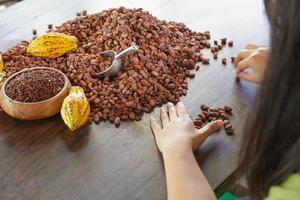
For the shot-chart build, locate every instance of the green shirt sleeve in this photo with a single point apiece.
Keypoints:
(288, 190)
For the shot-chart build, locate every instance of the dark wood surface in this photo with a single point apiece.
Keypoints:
(43, 160)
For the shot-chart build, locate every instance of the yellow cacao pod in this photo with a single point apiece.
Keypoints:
(75, 110)
(2, 77)
(1, 64)
(52, 45)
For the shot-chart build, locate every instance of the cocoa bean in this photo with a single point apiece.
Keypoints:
(205, 61)
(228, 126)
(204, 107)
(215, 56)
(223, 41)
(213, 114)
(227, 109)
(226, 122)
(117, 121)
(229, 131)
(232, 59)
(224, 116)
(198, 123)
(224, 61)
(155, 74)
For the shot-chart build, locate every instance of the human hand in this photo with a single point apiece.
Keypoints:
(254, 57)
(178, 132)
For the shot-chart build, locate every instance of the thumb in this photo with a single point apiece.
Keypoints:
(203, 133)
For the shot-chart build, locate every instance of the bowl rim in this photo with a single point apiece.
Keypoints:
(66, 84)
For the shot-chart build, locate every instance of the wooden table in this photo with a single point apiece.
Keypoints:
(42, 160)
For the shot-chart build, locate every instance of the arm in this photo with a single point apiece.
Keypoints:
(176, 140)
(185, 179)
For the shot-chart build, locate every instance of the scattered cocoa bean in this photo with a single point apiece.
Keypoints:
(117, 121)
(213, 110)
(205, 113)
(226, 121)
(96, 118)
(84, 13)
(213, 114)
(227, 109)
(224, 116)
(207, 45)
(207, 34)
(215, 56)
(198, 122)
(230, 43)
(192, 75)
(223, 41)
(203, 117)
(232, 59)
(204, 107)
(229, 131)
(224, 61)
(34, 31)
(214, 49)
(205, 61)
(228, 126)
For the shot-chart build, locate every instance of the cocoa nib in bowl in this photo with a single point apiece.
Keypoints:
(34, 93)
(35, 85)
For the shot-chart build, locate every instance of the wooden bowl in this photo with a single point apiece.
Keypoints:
(35, 110)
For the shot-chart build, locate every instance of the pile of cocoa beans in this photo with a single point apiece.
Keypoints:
(155, 74)
(210, 114)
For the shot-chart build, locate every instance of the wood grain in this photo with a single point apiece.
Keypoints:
(43, 160)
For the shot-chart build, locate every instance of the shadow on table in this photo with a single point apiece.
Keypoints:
(33, 133)
(77, 139)
(205, 153)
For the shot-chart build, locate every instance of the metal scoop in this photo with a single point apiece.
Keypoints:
(116, 65)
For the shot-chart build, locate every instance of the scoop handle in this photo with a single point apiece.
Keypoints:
(133, 48)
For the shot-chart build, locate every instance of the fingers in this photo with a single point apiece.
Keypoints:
(249, 77)
(252, 46)
(210, 128)
(154, 126)
(181, 111)
(164, 118)
(241, 56)
(205, 132)
(244, 64)
(172, 111)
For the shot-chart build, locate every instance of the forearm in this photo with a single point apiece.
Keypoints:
(185, 180)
